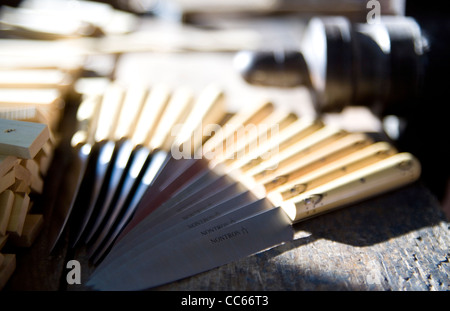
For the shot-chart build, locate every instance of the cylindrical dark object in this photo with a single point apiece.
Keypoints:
(377, 65)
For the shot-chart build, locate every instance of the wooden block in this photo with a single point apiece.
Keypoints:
(43, 161)
(7, 180)
(32, 105)
(43, 98)
(6, 203)
(25, 181)
(18, 214)
(30, 206)
(20, 186)
(47, 148)
(3, 239)
(21, 173)
(2, 258)
(32, 113)
(32, 166)
(31, 229)
(37, 184)
(34, 78)
(7, 269)
(7, 162)
(33, 54)
(22, 139)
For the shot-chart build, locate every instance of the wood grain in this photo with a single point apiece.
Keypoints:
(22, 139)
(7, 268)
(6, 203)
(7, 162)
(32, 227)
(18, 213)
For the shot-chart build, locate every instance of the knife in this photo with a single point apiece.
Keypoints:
(138, 162)
(235, 196)
(158, 193)
(209, 189)
(217, 242)
(142, 175)
(101, 171)
(154, 262)
(355, 160)
(66, 199)
(140, 129)
(119, 165)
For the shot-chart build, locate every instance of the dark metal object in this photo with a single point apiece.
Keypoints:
(120, 166)
(377, 65)
(269, 68)
(66, 199)
(126, 199)
(95, 177)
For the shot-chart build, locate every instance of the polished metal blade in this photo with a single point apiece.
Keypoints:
(102, 166)
(69, 190)
(137, 164)
(181, 222)
(174, 177)
(233, 236)
(120, 165)
(142, 174)
(206, 192)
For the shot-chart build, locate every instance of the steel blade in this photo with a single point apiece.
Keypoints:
(185, 221)
(66, 199)
(138, 163)
(246, 231)
(99, 175)
(119, 163)
(183, 172)
(191, 193)
(131, 201)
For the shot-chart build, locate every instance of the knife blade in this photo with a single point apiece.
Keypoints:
(164, 188)
(233, 198)
(209, 195)
(119, 166)
(129, 200)
(66, 199)
(217, 242)
(138, 162)
(101, 172)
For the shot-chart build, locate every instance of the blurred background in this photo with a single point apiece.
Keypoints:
(373, 66)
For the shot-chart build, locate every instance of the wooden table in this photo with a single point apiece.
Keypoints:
(398, 241)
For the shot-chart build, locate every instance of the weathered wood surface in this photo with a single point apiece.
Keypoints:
(398, 241)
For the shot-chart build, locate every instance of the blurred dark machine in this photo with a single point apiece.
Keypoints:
(397, 66)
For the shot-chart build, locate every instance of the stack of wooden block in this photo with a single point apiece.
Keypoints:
(25, 155)
(33, 92)
(37, 78)
(34, 95)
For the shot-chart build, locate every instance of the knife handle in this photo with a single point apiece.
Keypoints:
(385, 175)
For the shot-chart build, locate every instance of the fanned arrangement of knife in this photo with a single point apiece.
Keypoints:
(170, 185)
